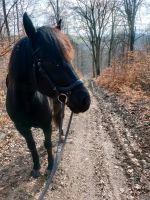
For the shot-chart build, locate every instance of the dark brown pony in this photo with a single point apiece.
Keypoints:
(41, 67)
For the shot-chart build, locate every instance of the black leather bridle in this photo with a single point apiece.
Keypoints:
(57, 89)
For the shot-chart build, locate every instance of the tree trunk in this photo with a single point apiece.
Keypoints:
(98, 58)
(132, 38)
(18, 30)
(111, 41)
(57, 14)
(97, 63)
(93, 68)
(5, 19)
(14, 25)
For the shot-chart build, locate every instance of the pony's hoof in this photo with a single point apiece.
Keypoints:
(35, 173)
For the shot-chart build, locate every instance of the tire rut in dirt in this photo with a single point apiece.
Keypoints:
(128, 152)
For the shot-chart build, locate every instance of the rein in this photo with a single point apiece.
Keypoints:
(62, 93)
(60, 146)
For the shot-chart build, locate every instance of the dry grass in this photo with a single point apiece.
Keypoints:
(129, 76)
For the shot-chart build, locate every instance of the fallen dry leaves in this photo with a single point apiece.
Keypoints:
(128, 77)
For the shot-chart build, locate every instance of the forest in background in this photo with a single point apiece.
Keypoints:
(105, 35)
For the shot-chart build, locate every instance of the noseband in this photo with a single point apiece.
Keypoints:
(58, 90)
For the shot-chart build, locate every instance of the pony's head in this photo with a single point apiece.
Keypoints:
(52, 64)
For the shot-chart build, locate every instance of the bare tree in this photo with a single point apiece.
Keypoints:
(130, 10)
(11, 12)
(112, 31)
(94, 16)
(55, 5)
(59, 10)
(5, 14)
(18, 23)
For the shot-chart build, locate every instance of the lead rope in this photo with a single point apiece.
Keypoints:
(59, 152)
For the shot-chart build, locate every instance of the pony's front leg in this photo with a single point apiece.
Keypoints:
(27, 134)
(48, 146)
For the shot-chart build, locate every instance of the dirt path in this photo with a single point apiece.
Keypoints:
(99, 160)
(90, 170)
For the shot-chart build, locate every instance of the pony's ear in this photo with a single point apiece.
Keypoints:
(59, 24)
(28, 26)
